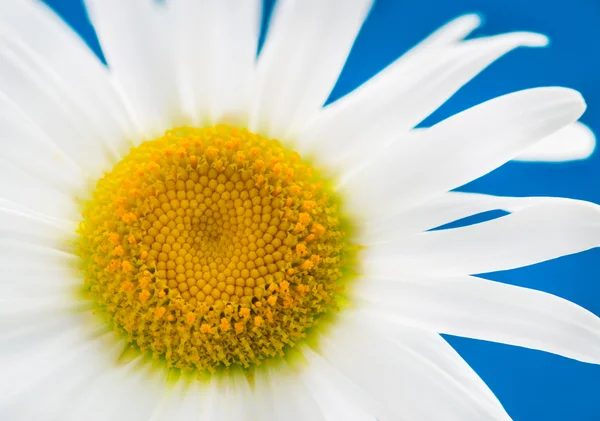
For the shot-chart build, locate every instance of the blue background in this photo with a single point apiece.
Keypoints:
(532, 385)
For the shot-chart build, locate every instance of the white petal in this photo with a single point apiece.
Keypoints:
(407, 372)
(306, 47)
(66, 59)
(353, 129)
(29, 85)
(59, 391)
(125, 391)
(574, 142)
(137, 42)
(461, 148)
(452, 32)
(228, 397)
(182, 401)
(239, 402)
(25, 145)
(482, 309)
(337, 397)
(216, 46)
(21, 311)
(434, 348)
(131, 393)
(439, 211)
(25, 365)
(39, 281)
(534, 234)
(280, 396)
(18, 336)
(19, 187)
(38, 229)
(18, 254)
(38, 285)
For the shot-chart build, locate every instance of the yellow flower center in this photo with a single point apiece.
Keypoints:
(215, 246)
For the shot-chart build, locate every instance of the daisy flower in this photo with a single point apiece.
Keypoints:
(188, 234)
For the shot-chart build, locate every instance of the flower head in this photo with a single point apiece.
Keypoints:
(187, 232)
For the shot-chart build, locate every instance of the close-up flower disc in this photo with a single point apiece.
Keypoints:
(214, 246)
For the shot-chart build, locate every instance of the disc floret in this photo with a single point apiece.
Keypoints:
(215, 246)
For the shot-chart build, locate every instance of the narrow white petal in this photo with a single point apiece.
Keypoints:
(306, 47)
(439, 211)
(37, 229)
(67, 60)
(216, 45)
(132, 392)
(434, 348)
(262, 396)
(27, 365)
(136, 39)
(26, 308)
(228, 398)
(531, 235)
(353, 129)
(403, 371)
(212, 410)
(452, 32)
(337, 396)
(461, 148)
(8, 205)
(29, 86)
(19, 254)
(39, 281)
(19, 337)
(25, 145)
(242, 406)
(169, 402)
(482, 309)
(182, 401)
(280, 396)
(37, 284)
(125, 391)
(26, 191)
(58, 392)
(572, 143)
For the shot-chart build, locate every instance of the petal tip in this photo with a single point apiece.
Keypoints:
(575, 142)
(565, 95)
(471, 20)
(533, 39)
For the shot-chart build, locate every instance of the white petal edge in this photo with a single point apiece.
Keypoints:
(338, 398)
(352, 130)
(27, 146)
(29, 85)
(137, 40)
(216, 45)
(442, 210)
(61, 380)
(405, 369)
(481, 309)
(126, 391)
(575, 142)
(280, 396)
(37, 29)
(531, 235)
(27, 192)
(460, 149)
(37, 229)
(301, 60)
(452, 32)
